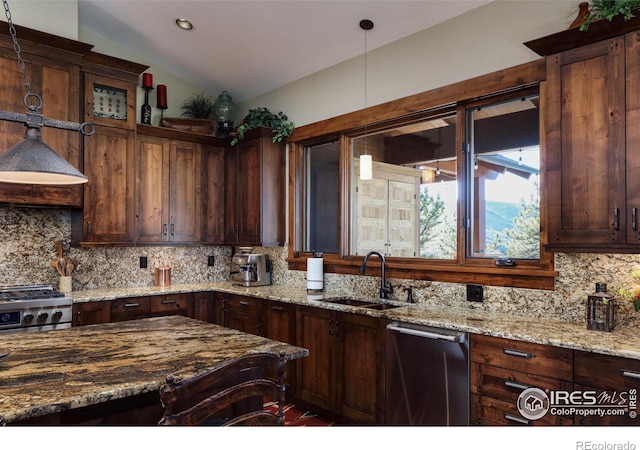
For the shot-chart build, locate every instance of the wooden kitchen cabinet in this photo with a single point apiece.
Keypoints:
(254, 180)
(344, 372)
(243, 313)
(203, 307)
(53, 66)
(592, 139)
(168, 183)
(502, 368)
(90, 313)
(613, 378)
(108, 215)
(279, 324)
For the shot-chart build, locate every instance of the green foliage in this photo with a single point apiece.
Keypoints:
(608, 9)
(431, 214)
(198, 106)
(261, 117)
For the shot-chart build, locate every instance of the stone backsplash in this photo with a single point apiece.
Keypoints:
(28, 244)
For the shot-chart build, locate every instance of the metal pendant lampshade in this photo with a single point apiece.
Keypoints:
(31, 161)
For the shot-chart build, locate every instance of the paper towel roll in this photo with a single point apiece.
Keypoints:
(315, 274)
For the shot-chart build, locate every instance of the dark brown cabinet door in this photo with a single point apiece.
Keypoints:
(361, 362)
(213, 218)
(344, 372)
(279, 324)
(108, 214)
(184, 191)
(254, 191)
(592, 162)
(168, 180)
(152, 181)
(616, 382)
(202, 307)
(90, 313)
(315, 377)
(249, 191)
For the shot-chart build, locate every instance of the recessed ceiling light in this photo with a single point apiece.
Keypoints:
(184, 23)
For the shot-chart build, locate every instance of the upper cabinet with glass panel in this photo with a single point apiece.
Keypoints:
(409, 208)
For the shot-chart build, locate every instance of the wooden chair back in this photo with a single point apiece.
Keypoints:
(228, 387)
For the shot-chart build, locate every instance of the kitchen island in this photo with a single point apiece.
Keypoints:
(91, 368)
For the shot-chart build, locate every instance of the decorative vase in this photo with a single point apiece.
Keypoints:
(225, 111)
(583, 13)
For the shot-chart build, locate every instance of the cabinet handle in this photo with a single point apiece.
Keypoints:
(516, 385)
(634, 219)
(337, 328)
(258, 329)
(245, 303)
(511, 352)
(131, 305)
(330, 327)
(630, 374)
(517, 419)
(88, 228)
(173, 229)
(616, 219)
(168, 302)
(277, 308)
(164, 229)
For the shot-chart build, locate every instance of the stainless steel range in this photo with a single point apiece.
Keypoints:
(34, 307)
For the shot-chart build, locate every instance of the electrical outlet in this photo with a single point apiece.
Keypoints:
(143, 262)
(210, 260)
(475, 293)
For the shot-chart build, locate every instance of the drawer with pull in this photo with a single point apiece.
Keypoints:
(130, 308)
(163, 305)
(606, 372)
(531, 358)
(490, 411)
(244, 305)
(507, 385)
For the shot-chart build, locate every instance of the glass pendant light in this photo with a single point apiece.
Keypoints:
(366, 161)
(31, 161)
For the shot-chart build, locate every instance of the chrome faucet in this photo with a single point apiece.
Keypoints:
(385, 286)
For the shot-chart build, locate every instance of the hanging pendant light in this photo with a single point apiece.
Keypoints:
(366, 161)
(31, 161)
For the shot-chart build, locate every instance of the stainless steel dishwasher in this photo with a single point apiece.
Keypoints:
(427, 376)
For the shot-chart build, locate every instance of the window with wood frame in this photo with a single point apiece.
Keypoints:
(455, 195)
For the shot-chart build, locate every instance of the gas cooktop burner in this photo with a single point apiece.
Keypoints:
(28, 292)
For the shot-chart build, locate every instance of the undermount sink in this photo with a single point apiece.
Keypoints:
(349, 301)
(362, 303)
(382, 306)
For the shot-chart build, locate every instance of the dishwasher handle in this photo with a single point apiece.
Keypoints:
(457, 338)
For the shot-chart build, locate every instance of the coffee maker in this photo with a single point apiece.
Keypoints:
(250, 269)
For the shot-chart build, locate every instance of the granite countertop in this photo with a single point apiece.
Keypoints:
(622, 341)
(50, 372)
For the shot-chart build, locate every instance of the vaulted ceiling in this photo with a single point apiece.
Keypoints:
(252, 47)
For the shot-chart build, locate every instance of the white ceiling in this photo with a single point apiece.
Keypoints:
(250, 47)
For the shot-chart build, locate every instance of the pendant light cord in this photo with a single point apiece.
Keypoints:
(16, 48)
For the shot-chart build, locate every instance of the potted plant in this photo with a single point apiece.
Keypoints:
(198, 106)
(261, 117)
(608, 9)
(197, 116)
